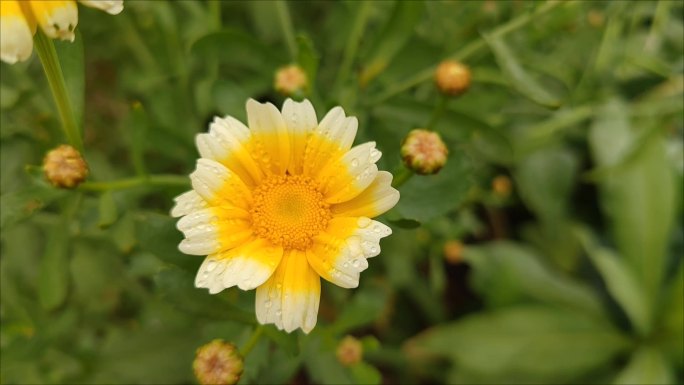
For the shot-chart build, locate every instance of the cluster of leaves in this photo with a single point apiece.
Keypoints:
(576, 276)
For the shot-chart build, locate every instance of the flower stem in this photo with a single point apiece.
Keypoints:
(286, 25)
(352, 45)
(403, 175)
(467, 51)
(53, 72)
(251, 343)
(122, 184)
(437, 112)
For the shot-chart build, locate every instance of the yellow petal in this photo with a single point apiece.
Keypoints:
(339, 253)
(229, 142)
(375, 200)
(346, 177)
(218, 185)
(331, 139)
(247, 266)
(271, 140)
(300, 119)
(112, 7)
(16, 34)
(214, 229)
(290, 298)
(57, 18)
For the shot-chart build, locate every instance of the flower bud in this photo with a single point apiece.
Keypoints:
(453, 251)
(64, 167)
(452, 78)
(424, 152)
(218, 363)
(349, 351)
(502, 186)
(291, 80)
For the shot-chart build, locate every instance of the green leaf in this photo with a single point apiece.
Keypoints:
(238, 49)
(321, 363)
(308, 58)
(138, 126)
(53, 279)
(672, 322)
(545, 180)
(647, 366)
(531, 343)
(427, 197)
(107, 209)
(620, 281)
(394, 35)
(522, 81)
(177, 286)
(18, 205)
(405, 223)
(70, 55)
(506, 273)
(364, 308)
(286, 341)
(365, 373)
(638, 197)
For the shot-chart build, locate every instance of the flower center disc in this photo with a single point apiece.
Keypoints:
(289, 211)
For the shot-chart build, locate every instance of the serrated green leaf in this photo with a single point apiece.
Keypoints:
(647, 366)
(638, 197)
(519, 78)
(507, 273)
(427, 197)
(621, 283)
(535, 343)
(365, 373)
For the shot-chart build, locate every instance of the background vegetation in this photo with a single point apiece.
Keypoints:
(573, 275)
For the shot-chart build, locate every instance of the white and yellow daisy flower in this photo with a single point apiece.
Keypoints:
(280, 204)
(57, 18)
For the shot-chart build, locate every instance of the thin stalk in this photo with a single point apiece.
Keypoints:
(53, 72)
(251, 343)
(468, 50)
(123, 184)
(288, 31)
(402, 176)
(438, 112)
(352, 44)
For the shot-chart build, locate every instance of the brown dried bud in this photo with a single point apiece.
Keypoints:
(453, 251)
(502, 186)
(291, 80)
(424, 152)
(452, 77)
(349, 351)
(64, 167)
(218, 363)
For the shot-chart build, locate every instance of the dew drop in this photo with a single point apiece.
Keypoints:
(268, 304)
(211, 265)
(278, 313)
(356, 263)
(355, 162)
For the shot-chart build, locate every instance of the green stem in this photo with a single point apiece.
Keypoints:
(122, 184)
(437, 112)
(251, 343)
(402, 176)
(468, 50)
(53, 72)
(352, 45)
(286, 24)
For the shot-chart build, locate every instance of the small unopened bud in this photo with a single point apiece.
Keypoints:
(218, 363)
(64, 167)
(502, 186)
(291, 80)
(424, 152)
(452, 77)
(453, 251)
(349, 351)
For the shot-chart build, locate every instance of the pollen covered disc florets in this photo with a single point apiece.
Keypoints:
(289, 210)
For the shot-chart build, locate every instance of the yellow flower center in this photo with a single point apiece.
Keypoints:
(289, 211)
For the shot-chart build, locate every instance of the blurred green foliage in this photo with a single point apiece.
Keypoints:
(575, 276)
